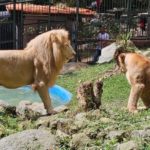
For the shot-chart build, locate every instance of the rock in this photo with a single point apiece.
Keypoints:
(6, 108)
(64, 124)
(94, 114)
(81, 120)
(146, 127)
(61, 108)
(29, 139)
(79, 141)
(61, 134)
(27, 109)
(73, 129)
(119, 135)
(141, 134)
(130, 145)
(80, 116)
(25, 124)
(2, 130)
(53, 122)
(43, 121)
(92, 134)
(107, 53)
(101, 135)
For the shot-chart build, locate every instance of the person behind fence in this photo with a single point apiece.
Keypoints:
(102, 36)
(142, 24)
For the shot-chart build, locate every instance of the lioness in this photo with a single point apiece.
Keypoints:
(137, 70)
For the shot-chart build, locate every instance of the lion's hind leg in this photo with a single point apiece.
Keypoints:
(135, 93)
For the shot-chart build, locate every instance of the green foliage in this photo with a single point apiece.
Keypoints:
(110, 144)
(124, 39)
(64, 143)
(10, 124)
(87, 31)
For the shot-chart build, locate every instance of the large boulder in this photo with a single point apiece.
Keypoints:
(107, 53)
(130, 145)
(30, 139)
(119, 135)
(27, 109)
(79, 141)
(144, 134)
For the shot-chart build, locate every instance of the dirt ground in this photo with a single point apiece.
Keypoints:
(72, 66)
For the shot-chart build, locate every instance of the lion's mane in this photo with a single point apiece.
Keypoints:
(47, 52)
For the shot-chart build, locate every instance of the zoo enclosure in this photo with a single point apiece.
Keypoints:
(22, 20)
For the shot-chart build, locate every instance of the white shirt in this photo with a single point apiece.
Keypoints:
(103, 36)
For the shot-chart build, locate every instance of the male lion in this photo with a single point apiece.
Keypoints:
(137, 70)
(38, 64)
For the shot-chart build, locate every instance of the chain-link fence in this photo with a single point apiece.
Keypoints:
(22, 20)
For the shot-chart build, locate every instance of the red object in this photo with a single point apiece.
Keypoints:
(44, 9)
(142, 24)
(98, 3)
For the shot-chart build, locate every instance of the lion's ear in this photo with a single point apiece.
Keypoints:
(121, 60)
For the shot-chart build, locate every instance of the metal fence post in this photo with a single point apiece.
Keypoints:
(148, 26)
(129, 2)
(76, 32)
(21, 28)
(14, 24)
(49, 15)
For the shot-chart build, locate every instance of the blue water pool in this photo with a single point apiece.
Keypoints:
(59, 95)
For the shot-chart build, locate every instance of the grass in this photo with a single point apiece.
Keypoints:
(114, 100)
(116, 88)
(73, 80)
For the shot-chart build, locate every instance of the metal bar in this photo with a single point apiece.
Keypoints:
(21, 27)
(76, 32)
(14, 24)
(49, 15)
(148, 20)
(4, 42)
(129, 3)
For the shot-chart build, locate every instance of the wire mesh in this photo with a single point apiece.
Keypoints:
(22, 20)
